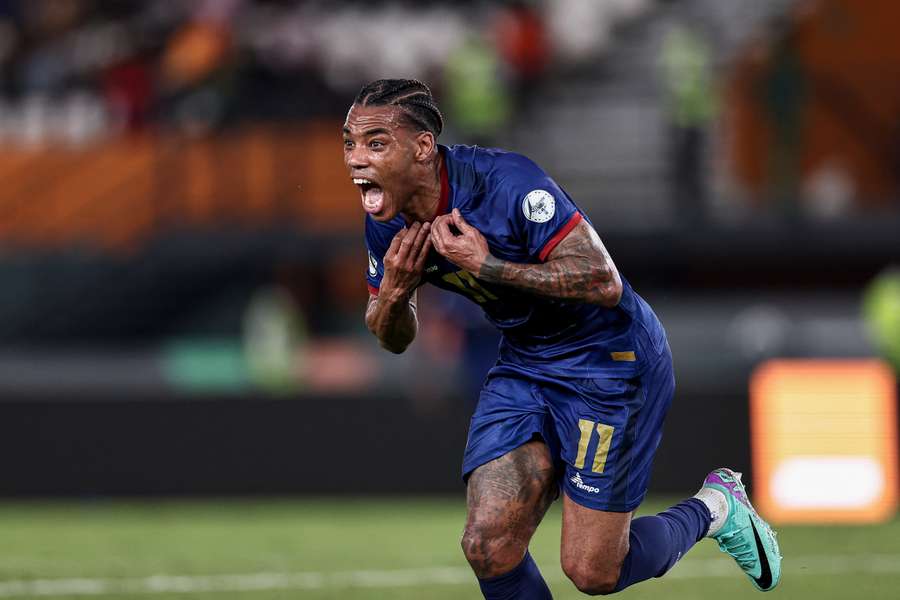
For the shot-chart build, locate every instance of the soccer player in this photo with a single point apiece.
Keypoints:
(575, 403)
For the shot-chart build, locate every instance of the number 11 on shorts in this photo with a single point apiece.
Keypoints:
(587, 429)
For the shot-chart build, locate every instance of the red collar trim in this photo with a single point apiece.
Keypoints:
(444, 202)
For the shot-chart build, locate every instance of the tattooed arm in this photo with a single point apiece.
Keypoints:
(393, 321)
(579, 268)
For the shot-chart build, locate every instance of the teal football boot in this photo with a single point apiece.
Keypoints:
(745, 536)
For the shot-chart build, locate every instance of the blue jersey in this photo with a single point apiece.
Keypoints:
(524, 214)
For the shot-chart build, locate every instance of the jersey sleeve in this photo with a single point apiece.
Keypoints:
(377, 244)
(541, 213)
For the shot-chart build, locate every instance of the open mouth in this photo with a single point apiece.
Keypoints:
(372, 195)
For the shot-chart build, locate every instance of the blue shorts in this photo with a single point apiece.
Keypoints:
(605, 431)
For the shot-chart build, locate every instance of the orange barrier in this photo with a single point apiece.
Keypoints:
(121, 192)
(824, 440)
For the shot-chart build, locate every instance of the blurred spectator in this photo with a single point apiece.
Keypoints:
(686, 64)
(783, 92)
(522, 43)
(195, 76)
(128, 89)
(193, 53)
(477, 97)
(274, 332)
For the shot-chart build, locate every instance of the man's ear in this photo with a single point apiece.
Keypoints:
(425, 145)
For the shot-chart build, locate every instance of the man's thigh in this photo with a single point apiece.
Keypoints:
(506, 500)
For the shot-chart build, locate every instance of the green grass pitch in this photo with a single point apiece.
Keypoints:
(397, 549)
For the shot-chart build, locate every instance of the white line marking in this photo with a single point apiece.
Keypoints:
(872, 564)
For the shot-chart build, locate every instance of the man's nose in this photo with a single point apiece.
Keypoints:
(357, 159)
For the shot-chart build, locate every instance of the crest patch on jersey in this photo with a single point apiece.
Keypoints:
(373, 265)
(539, 206)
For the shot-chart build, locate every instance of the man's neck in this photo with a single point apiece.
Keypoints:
(424, 203)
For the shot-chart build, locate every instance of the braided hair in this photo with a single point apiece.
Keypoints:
(412, 97)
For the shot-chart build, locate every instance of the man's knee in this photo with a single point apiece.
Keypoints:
(593, 579)
(595, 544)
(492, 549)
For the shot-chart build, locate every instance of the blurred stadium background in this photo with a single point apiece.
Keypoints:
(190, 405)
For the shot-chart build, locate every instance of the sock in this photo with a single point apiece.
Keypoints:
(717, 504)
(522, 583)
(657, 543)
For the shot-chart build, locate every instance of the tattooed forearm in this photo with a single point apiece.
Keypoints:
(569, 278)
(392, 321)
(579, 269)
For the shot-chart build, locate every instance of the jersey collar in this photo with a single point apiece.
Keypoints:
(444, 202)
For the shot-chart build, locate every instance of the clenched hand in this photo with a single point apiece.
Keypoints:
(405, 259)
(468, 250)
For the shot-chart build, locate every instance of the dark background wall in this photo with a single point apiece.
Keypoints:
(246, 445)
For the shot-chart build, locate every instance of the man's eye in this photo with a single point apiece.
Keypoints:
(376, 144)
(348, 143)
